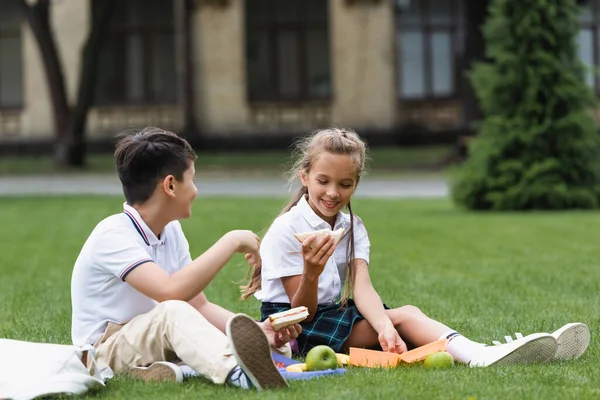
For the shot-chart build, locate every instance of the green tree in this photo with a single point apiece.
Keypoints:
(537, 145)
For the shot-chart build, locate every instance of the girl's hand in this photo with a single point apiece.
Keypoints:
(390, 340)
(316, 253)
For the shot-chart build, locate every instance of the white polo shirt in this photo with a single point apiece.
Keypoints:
(118, 244)
(281, 253)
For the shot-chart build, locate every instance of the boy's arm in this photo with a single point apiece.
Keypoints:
(215, 314)
(218, 316)
(187, 283)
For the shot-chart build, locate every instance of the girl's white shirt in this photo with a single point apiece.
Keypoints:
(281, 253)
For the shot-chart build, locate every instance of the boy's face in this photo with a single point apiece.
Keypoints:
(185, 193)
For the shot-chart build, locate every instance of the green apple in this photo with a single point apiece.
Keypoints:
(440, 359)
(320, 358)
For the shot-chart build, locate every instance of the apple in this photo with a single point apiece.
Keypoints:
(321, 358)
(440, 359)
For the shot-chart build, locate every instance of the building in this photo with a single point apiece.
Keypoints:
(259, 66)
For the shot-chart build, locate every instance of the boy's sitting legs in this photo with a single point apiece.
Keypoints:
(162, 371)
(176, 330)
(251, 349)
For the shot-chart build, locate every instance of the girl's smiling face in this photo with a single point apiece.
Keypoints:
(331, 182)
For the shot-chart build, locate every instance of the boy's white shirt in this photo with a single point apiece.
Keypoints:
(118, 244)
(281, 253)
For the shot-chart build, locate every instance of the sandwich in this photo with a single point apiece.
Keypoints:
(289, 317)
(336, 235)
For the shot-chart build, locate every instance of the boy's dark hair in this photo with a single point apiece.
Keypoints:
(147, 157)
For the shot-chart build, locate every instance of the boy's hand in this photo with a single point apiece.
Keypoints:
(316, 253)
(244, 241)
(252, 259)
(282, 336)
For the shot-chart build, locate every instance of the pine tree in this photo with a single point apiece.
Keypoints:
(537, 146)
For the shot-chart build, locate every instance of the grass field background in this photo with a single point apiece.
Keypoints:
(486, 275)
(382, 161)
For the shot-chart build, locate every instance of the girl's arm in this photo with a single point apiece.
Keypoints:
(303, 290)
(370, 306)
(367, 299)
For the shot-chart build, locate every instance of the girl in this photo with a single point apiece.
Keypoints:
(313, 273)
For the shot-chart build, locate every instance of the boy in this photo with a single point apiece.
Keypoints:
(137, 295)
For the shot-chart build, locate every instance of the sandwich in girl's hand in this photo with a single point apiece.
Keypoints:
(286, 318)
(336, 235)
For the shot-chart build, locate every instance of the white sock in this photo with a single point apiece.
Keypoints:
(461, 348)
(188, 372)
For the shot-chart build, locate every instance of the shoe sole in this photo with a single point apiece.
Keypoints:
(156, 373)
(573, 341)
(537, 350)
(253, 353)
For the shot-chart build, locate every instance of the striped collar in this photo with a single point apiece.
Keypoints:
(317, 222)
(141, 227)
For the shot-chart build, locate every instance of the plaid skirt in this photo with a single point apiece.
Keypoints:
(331, 325)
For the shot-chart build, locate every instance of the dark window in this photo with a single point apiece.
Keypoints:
(429, 36)
(287, 49)
(137, 60)
(11, 63)
(589, 41)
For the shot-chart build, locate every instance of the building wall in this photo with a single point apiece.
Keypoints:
(223, 107)
(362, 63)
(219, 65)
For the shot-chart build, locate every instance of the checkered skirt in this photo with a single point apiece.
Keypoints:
(331, 325)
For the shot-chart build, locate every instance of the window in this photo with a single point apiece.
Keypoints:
(137, 60)
(430, 46)
(588, 41)
(11, 63)
(287, 50)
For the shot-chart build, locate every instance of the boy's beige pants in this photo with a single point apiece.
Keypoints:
(172, 331)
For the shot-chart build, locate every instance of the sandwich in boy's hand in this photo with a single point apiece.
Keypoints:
(286, 318)
(336, 235)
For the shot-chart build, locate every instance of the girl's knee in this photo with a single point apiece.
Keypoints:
(401, 314)
(412, 310)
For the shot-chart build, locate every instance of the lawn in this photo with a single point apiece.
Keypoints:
(384, 160)
(486, 275)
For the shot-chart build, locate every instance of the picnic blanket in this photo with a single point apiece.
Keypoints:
(29, 370)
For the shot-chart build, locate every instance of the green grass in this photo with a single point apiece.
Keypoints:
(386, 161)
(486, 275)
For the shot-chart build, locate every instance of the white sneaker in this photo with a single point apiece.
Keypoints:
(159, 371)
(535, 348)
(573, 340)
(188, 372)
